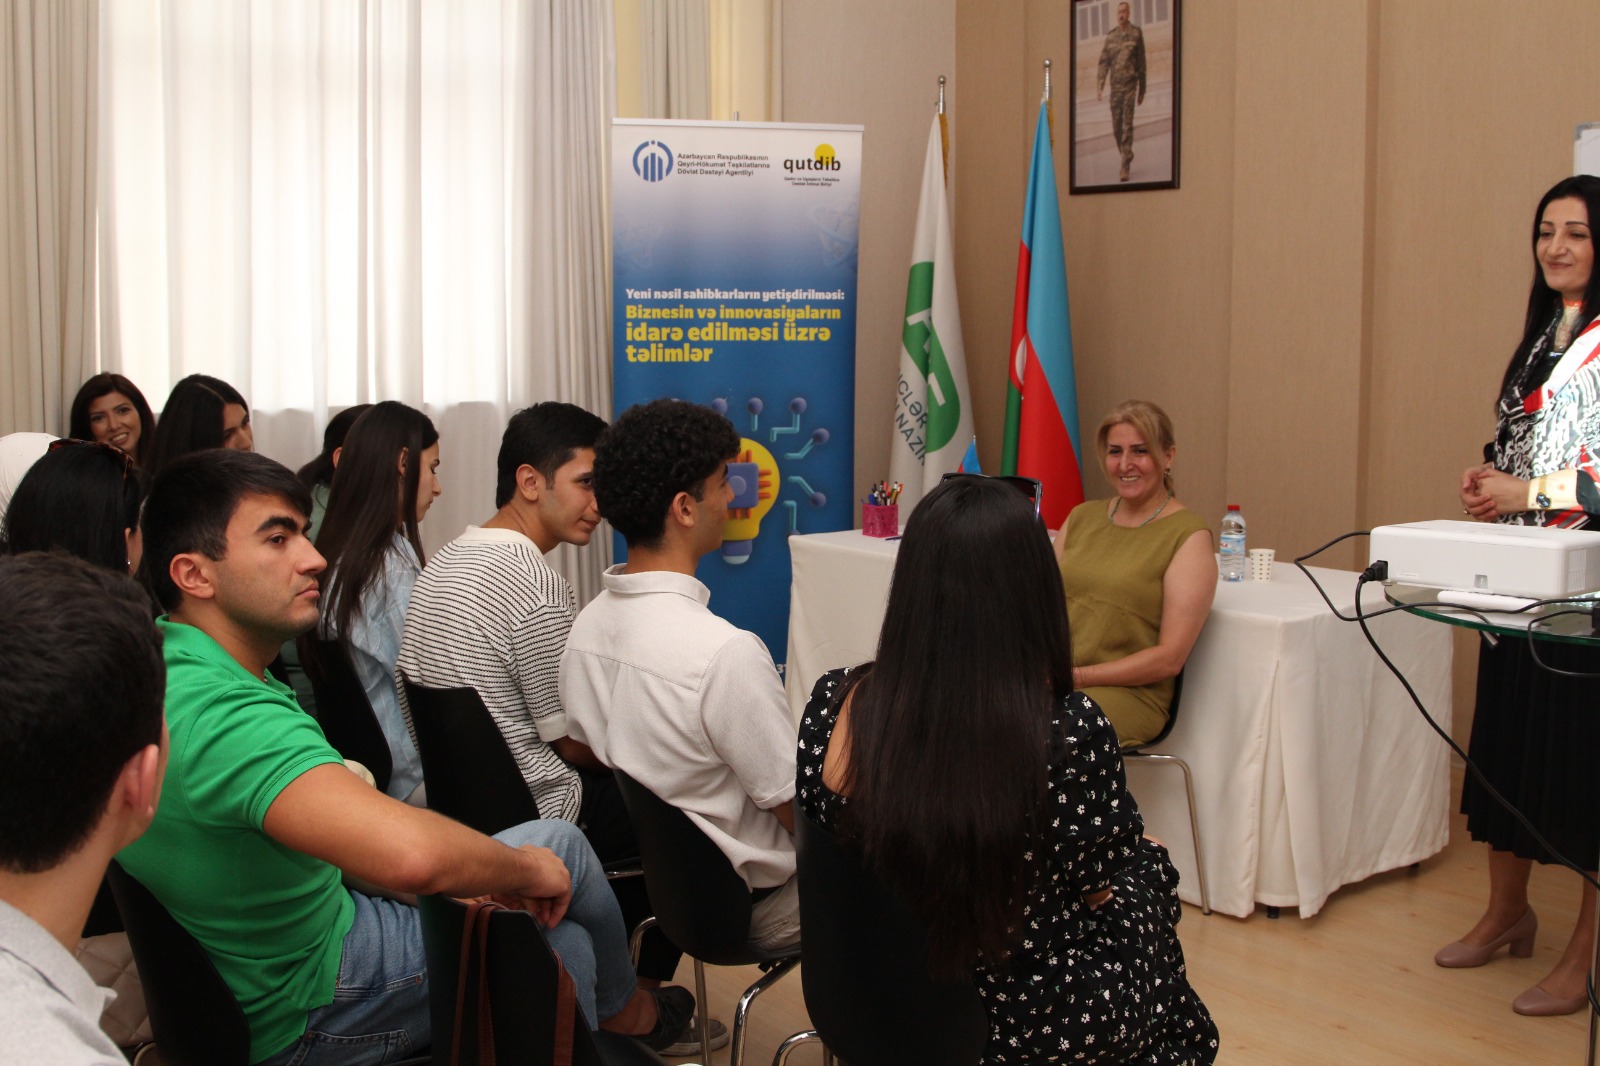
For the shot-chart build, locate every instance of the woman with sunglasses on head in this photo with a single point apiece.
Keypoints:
(80, 497)
(989, 796)
(201, 412)
(1139, 575)
(383, 486)
(111, 408)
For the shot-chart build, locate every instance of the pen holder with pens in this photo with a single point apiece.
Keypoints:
(880, 519)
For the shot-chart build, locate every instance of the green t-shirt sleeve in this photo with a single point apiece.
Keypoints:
(249, 748)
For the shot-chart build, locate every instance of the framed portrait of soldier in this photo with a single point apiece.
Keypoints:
(1125, 78)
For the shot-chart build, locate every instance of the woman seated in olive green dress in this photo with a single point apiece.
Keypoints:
(1139, 575)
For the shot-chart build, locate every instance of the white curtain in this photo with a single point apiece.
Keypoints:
(698, 59)
(328, 202)
(48, 55)
(676, 60)
(747, 60)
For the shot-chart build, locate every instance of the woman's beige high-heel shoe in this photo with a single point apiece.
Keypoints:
(1537, 1003)
(1459, 956)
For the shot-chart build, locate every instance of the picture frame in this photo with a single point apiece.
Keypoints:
(1125, 94)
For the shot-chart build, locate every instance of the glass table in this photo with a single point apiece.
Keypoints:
(1568, 622)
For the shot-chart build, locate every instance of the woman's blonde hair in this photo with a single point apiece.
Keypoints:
(1151, 422)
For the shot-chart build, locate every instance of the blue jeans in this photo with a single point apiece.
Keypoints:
(379, 1011)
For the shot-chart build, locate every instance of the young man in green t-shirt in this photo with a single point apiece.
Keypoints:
(262, 826)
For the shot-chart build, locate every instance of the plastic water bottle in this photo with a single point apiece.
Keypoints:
(1232, 544)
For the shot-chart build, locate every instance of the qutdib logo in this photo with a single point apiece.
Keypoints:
(652, 161)
(822, 159)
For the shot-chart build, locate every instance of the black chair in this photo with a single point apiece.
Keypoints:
(193, 1015)
(522, 991)
(1141, 751)
(471, 774)
(343, 709)
(866, 979)
(701, 903)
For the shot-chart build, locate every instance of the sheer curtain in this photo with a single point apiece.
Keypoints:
(698, 59)
(746, 59)
(48, 53)
(330, 202)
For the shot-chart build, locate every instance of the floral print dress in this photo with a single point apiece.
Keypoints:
(1085, 985)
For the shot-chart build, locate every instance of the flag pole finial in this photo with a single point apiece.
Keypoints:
(1047, 80)
(941, 94)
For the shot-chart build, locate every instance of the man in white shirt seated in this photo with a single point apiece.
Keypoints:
(686, 703)
(82, 752)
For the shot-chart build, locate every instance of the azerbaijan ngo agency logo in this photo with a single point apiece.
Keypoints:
(652, 161)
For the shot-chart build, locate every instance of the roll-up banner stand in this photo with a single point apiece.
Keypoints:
(734, 285)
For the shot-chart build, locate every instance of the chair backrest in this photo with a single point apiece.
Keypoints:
(343, 709)
(522, 990)
(700, 901)
(865, 975)
(193, 1015)
(470, 773)
(1172, 719)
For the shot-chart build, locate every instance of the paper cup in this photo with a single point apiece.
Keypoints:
(880, 520)
(1261, 564)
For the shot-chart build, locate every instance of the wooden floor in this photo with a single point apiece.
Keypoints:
(1355, 984)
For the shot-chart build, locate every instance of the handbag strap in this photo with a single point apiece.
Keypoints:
(486, 1053)
(472, 995)
(472, 988)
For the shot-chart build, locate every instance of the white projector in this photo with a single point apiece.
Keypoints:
(1531, 561)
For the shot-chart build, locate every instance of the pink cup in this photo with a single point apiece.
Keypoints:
(880, 520)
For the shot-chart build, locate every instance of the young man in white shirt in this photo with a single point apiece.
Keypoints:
(82, 753)
(686, 703)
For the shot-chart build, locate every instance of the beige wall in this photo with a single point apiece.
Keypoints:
(1326, 303)
(877, 64)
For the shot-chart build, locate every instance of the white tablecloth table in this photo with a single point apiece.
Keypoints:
(1312, 768)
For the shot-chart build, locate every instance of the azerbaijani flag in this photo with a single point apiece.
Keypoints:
(1041, 437)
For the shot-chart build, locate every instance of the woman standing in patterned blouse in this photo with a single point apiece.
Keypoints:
(1534, 732)
(990, 796)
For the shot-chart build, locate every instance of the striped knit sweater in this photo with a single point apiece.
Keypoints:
(489, 613)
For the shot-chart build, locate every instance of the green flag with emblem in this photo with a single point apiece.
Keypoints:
(933, 407)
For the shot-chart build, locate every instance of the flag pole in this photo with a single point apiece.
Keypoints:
(944, 134)
(1049, 105)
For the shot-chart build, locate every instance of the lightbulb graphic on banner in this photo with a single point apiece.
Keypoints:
(757, 481)
(754, 479)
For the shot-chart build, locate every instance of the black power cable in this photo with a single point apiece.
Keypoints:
(1361, 617)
